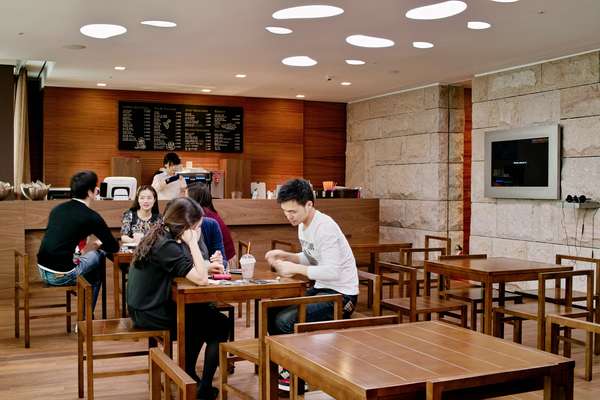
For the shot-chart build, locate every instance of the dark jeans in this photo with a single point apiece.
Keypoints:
(282, 320)
(203, 324)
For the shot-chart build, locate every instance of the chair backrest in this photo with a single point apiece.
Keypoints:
(161, 363)
(84, 306)
(406, 255)
(412, 279)
(375, 283)
(346, 323)
(568, 278)
(596, 263)
(465, 257)
(445, 240)
(22, 269)
(282, 244)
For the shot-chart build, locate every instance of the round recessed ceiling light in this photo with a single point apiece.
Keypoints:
(422, 45)
(444, 9)
(120, 68)
(478, 25)
(278, 30)
(74, 47)
(299, 61)
(102, 31)
(369, 41)
(355, 62)
(240, 75)
(160, 24)
(300, 96)
(304, 12)
(206, 90)
(345, 83)
(101, 84)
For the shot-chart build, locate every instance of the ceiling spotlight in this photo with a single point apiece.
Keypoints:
(355, 62)
(422, 45)
(240, 75)
(300, 96)
(102, 31)
(278, 30)
(160, 24)
(120, 68)
(305, 12)
(206, 90)
(477, 25)
(441, 10)
(299, 61)
(369, 41)
(345, 83)
(505, 1)
(101, 84)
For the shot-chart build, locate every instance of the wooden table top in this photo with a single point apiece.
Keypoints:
(497, 266)
(185, 286)
(396, 356)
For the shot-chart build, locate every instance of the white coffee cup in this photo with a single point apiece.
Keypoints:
(247, 263)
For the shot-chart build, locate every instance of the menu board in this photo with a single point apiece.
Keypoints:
(172, 127)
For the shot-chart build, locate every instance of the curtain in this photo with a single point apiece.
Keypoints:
(22, 172)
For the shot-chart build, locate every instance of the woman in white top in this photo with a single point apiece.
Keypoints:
(169, 184)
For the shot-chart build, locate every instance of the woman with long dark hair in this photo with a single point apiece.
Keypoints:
(171, 250)
(201, 193)
(141, 216)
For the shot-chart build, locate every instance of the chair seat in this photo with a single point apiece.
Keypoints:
(114, 329)
(529, 310)
(474, 294)
(551, 294)
(39, 286)
(425, 304)
(247, 349)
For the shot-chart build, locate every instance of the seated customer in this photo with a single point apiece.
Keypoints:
(142, 215)
(201, 193)
(169, 184)
(69, 224)
(326, 257)
(171, 250)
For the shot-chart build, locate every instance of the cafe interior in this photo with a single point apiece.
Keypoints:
(456, 145)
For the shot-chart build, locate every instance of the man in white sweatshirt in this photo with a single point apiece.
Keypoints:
(326, 257)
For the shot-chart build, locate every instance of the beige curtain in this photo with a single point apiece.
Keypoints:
(21, 137)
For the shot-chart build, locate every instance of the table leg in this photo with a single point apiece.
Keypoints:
(180, 331)
(271, 377)
(116, 285)
(256, 321)
(488, 294)
(372, 267)
(559, 385)
(501, 291)
(124, 271)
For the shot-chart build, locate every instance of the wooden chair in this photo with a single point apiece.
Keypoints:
(346, 323)
(473, 295)
(553, 337)
(407, 259)
(242, 249)
(30, 289)
(91, 331)
(374, 282)
(414, 306)
(161, 363)
(253, 350)
(538, 311)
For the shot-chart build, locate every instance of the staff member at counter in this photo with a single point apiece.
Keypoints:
(169, 184)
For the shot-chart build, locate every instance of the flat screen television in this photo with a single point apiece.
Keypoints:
(523, 163)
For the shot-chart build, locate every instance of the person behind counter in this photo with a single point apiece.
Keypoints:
(171, 250)
(168, 183)
(201, 193)
(142, 215)
(69, 224)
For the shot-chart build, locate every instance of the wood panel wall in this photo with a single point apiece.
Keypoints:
(80, 132)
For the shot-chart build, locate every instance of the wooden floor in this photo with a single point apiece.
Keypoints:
(48, 370)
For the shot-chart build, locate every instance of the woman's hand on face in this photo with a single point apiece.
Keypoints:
(190, 236)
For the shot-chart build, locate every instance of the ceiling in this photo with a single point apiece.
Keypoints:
(216, 39)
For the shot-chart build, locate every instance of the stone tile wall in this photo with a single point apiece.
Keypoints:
(565, 91)
(406, 149)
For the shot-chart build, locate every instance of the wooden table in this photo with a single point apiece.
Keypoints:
(396, 361)
(185, 292)
(373, 249)
(119, 279)
(489, 271)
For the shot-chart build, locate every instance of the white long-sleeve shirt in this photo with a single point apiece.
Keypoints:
(329, 256)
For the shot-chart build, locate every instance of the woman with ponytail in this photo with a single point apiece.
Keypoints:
(171, 250)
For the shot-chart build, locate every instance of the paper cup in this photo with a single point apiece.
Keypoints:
(247, 263)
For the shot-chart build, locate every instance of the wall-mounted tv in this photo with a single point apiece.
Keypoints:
(523, 163)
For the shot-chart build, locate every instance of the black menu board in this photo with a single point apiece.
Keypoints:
(172, 127)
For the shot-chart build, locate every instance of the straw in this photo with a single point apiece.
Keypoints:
(248, 249)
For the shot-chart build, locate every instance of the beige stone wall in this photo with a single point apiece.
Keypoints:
(566, 91)
(406, 149)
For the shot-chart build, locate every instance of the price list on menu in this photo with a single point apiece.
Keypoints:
(172, 127)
